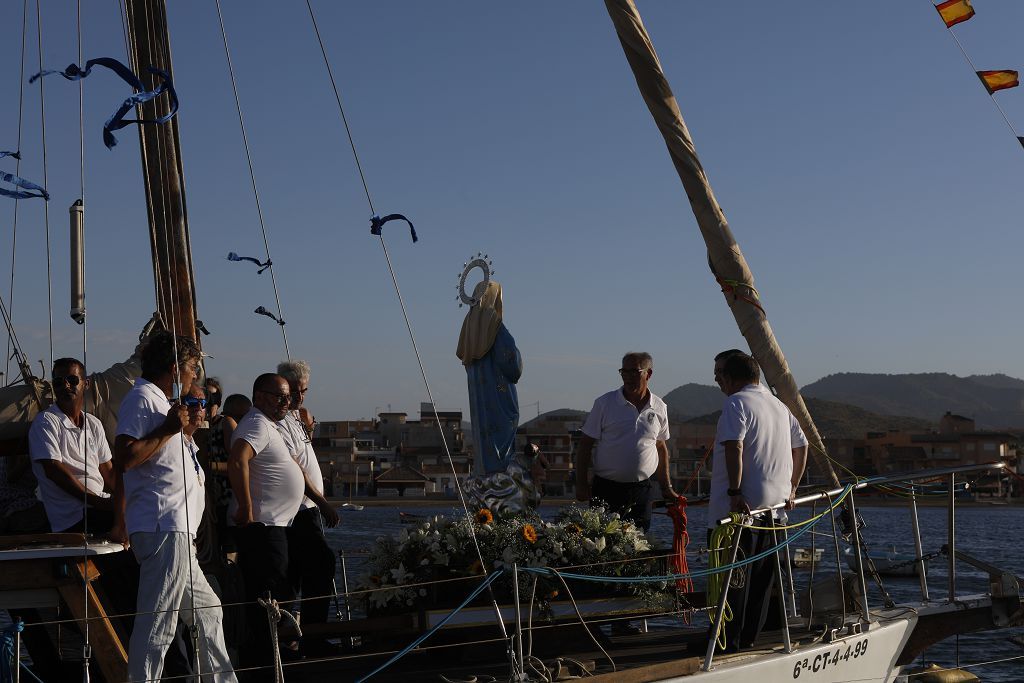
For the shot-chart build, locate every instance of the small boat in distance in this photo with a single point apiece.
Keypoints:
(889, 562)
(410, 518)
(803, 558)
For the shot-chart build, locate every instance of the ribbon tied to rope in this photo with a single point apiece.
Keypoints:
(263, 311)
(377, 223)
(27, 185)
(117, 121)
(263, 265)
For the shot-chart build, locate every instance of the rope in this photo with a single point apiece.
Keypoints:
(8, 316)
(274, 614)
(46, 205)
(401, 302)
(414, 644)
(10, 655)
(252, 178)
(722, 538)
(680, 539)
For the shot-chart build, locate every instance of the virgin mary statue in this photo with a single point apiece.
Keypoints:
(493, 366)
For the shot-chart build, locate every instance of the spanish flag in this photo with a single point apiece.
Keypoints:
(998, 80)
(955, 11)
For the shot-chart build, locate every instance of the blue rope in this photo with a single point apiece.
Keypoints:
(117, 120)
(7, 662)
(416, 643)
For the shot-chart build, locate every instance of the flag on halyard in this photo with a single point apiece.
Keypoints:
(955, 11)
(998, 80)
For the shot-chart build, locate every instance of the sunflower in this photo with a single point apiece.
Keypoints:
(529, 533)
(484, 516)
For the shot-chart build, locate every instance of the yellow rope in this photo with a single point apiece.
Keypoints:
(721, 541)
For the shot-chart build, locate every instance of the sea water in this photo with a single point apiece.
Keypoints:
(990, 533)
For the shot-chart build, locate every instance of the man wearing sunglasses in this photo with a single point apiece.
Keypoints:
(269, 486)
(164, 494)
(311, 563)
(626, 432)
(71, 458)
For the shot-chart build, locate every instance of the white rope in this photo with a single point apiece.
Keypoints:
(405, 315)
(274, 614)
(252, 178)
(9, 313)
(46, 204)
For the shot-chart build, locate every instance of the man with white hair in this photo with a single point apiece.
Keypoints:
(626, 431)
(311, 563)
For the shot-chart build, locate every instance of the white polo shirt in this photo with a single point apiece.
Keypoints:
(626, 449)
(165, 493)
(765, 426)
(54, 436)
(301, 447)
(276, 485)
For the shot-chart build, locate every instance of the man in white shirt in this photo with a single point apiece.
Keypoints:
(626, 432)
(753, 468)
(159, 483)
(70, 456)
(311, 561)
(269, 486)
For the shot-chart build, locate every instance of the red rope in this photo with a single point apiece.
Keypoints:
(680, 539)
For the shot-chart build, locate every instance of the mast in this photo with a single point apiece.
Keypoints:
(724, 256)
(163, 176)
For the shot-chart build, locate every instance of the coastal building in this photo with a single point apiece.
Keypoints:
(557, 434)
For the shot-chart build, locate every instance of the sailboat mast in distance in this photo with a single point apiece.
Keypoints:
(724, 256)
(164, 179)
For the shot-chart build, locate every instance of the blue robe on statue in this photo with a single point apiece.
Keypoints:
(493, 403)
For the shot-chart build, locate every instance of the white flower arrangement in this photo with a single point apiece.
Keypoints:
(590, 540)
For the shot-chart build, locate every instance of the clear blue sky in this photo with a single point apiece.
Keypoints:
(869, 180)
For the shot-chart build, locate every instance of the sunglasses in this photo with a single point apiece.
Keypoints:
(192, 402)
(72, 380)
(282, 399)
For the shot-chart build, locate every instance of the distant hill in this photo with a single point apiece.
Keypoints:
(692, 399)
(993, 401)
(561, 414)
(841, 421)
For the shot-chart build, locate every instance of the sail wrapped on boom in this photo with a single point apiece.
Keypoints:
(724, 255)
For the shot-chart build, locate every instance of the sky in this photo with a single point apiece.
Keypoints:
(872, 186)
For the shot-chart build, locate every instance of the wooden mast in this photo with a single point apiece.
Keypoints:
(163, 176)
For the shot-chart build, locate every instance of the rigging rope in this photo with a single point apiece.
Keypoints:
(252, 178)
(46, 205)
(401, 303)
(17, 171)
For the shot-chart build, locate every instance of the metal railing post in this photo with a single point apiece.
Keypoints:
(922, 571)
(520, 674)
(951, 538)
(865, 612)
(791, 585)
(788, 644)
(720, 611)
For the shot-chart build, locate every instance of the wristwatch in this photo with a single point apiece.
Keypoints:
(734, 492)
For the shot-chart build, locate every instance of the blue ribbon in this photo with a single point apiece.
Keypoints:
(263, 311)
(28, 185)
(117, 120)
(376, 223)
(232, 256)
(14, 155)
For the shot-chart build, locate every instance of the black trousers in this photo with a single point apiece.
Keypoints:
(753, 590)
(263, 559)
(311, 565)
(100, 522)
(632, 500)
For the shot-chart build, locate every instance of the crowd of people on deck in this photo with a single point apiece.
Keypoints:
(265, 497)
(267, 508)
